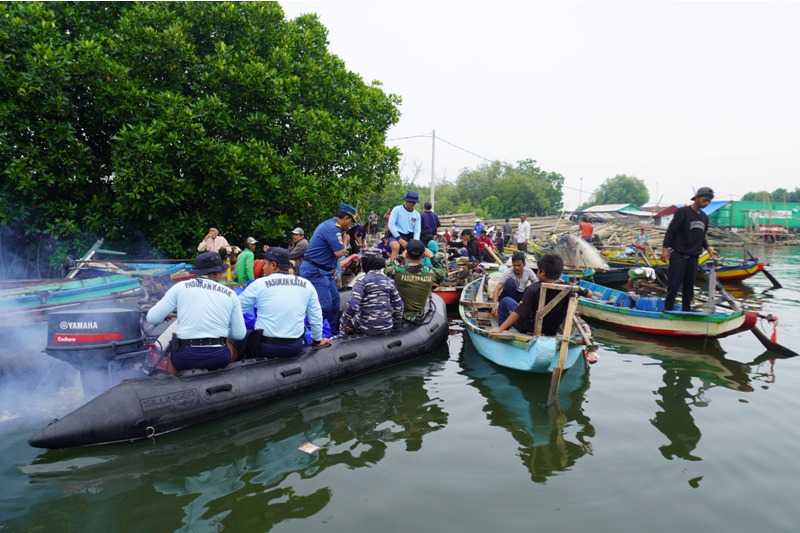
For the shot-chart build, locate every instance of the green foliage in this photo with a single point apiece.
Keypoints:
(620, 189)
(779, 195)
(155, 120)
(493, 190)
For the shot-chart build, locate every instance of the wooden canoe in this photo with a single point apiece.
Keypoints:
(510, 349)
(735, 273)
(616, 308)
(450, 295)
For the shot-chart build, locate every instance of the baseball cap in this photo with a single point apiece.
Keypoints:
(251, 240)
(207, 263)
(415, 248)
(348, 209)
(706, 192)
(298, 231)
(279, 256)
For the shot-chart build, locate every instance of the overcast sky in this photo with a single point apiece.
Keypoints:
(681, 94)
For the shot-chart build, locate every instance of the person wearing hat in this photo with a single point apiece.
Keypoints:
(298, 247)
(413, 280)
(479, 227)
(328, 243)
(405, 224)
(684, 241)
(244, 264)
(375, 306)
(209, 315)
(283, 301)
(213, 242)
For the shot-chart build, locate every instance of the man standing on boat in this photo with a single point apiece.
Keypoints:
(683, 243)
(298, 247)
(213, 242)
(430, 224)
(507, 231)
(405, 224)
(523, 233)
(328, 243)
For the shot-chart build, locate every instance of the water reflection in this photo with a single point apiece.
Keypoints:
(247, 471)
(550, 439)
(691, 367)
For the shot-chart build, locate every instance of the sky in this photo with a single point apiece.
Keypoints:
(680, 94)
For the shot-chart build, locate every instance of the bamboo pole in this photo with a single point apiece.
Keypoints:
(555, 380)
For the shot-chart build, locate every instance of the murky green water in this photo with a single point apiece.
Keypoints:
(659, 436)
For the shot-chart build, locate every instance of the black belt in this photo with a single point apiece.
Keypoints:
(279, 340)
(208, 341)
(324, 269)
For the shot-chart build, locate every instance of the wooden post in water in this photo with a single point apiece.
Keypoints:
(555, 380)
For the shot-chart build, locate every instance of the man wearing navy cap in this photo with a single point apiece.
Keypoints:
(328, 243)
(283, 301)
(209, 314)
(405, 224)
(684, 241)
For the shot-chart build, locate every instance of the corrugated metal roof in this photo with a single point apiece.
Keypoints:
(638, 213)
(606, 208)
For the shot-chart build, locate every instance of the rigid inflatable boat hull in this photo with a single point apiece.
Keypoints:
(145, 407)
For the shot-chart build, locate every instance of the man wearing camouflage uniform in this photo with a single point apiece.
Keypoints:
(375, 305)
(415, 281)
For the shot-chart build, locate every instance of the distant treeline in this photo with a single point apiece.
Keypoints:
(777, 196)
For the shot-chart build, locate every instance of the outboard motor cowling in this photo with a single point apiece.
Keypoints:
(105, 344)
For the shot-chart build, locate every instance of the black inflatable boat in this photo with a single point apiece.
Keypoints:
(149, 406)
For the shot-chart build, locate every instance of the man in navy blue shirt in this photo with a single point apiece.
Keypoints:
(328, 243)
(683, 243)
(430, 224)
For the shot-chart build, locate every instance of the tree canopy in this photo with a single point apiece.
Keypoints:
(779, 195)
(621, 189)
(152, 121)
(493, 190)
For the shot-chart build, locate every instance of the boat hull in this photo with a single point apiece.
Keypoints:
(735, 273)
(146, 407)
(449, 295)
(538, 356)
(658, 322)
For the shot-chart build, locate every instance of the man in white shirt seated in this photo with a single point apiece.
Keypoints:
(283, 300)
(209, 314)
(213, 242)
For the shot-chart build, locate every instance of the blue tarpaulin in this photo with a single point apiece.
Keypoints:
(715, 205)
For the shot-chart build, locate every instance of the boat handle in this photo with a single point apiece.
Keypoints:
(395, 344)
(291, 372)
(348, 356)
(219, 388)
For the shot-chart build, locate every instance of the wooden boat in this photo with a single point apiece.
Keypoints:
(511, 349)
(647, 315)
(734, 273)
(43, 296)
(617, 258)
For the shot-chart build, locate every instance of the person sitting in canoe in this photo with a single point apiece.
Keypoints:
(375, 306)
(413, 280)
(514, 281)
(523, 315)
(209, 315)
(469, 246)
(283, 301)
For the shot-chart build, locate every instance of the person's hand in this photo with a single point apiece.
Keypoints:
(428, 253)
(403, 242)
(323, 343)
(494, 308)
(665, 253)
(713, 253)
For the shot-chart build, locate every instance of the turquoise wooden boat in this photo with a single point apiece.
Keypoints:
(511, 349)
(51, 294)
(647, 315)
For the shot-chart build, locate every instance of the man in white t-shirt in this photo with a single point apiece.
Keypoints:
(515, 280)
(213, 242)
(523, 233)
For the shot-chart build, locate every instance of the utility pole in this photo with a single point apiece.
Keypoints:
(433, 170)
(580, 193)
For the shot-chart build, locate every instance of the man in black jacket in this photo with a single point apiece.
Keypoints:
(683, 243)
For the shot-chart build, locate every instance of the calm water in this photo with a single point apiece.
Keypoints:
(658, 436)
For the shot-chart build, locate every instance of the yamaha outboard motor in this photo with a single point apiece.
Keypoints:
(105, 344)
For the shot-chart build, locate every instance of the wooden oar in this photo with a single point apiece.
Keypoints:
(555, 380)
(772, 279)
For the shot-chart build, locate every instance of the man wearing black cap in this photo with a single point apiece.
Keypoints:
(328, 243)
(404, 224)
(283, 301)
(415, 281)
(208, 315)
(683, 243)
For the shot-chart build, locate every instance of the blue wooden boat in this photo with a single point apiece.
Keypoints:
(50, 294)
(510, 349)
